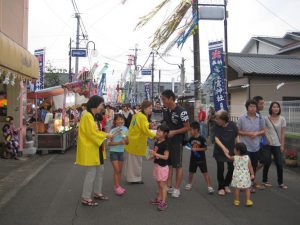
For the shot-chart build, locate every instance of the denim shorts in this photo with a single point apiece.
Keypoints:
(117, 156)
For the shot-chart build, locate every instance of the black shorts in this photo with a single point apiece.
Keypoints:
(201, 163)
(175, 154)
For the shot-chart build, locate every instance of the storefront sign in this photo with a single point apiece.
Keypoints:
(216, 59)
(40, 55)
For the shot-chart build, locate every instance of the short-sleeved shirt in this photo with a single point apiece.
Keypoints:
(175, 120)
(123, 133)
(161, 148)
(245, 123)
(198, 142)
(273, 137)
(227, 136)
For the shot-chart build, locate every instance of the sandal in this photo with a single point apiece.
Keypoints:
(89, 203)
(267, 184)
(100, 197)
(283, 186)
(221, 192)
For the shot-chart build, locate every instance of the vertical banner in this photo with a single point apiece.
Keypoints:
(40, 55)
(102, 84)
(147, 91)
(216, 60)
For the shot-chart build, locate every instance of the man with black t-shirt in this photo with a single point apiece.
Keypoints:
(177, 119)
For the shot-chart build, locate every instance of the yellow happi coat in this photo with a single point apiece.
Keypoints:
(89, 141)
(138, 134)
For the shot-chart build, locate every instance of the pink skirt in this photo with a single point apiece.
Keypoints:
(160, 173)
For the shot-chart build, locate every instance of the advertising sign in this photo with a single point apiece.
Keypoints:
(40, 55)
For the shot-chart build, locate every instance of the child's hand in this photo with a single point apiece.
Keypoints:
(110, 136)
(152, 152)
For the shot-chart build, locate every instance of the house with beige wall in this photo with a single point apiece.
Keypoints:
(274, 77)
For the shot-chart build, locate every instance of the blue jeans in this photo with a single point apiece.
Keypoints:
(275, 151)
(202, 129)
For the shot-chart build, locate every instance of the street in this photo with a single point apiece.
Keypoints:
(52, 197)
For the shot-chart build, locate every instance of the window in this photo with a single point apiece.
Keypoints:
(176, 89)
(161, 88)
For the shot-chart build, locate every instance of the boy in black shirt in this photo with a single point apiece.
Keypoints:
(198, 159)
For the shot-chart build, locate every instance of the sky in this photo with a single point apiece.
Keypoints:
(110, 24)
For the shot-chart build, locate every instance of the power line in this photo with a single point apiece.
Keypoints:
(274, 14)
(173, 64)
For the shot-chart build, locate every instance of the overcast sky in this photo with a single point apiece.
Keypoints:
(110, 24)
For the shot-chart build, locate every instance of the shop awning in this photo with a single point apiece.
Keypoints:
(17, 59)
(45, 93)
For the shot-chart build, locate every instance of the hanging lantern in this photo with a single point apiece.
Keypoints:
(12, 82)
(6, 80)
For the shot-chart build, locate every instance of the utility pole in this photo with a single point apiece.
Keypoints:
(182, 77)
(77, 16)
(197, 73)
(158, 86)
(152, 77)
(134, 84)
(226, 53)
(70, 61)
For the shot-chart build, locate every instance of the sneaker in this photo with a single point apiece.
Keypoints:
(162, 206)
(170, 190)
(236, 202)
(227, 190)
(155, 201)
(249, 203)
(210, 190)
(188, 187)
(176, 193)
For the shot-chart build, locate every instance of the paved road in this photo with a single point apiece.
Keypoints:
(52, 197)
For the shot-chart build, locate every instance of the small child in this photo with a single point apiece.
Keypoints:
(198, 159)
(117, 145)
(242, 174)
(161, 169)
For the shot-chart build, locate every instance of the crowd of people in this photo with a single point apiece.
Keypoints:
(245, 147)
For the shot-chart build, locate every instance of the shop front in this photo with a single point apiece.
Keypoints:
(18, 67)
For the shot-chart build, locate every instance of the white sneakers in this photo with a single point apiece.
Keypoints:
(188, 187)
(176, 193)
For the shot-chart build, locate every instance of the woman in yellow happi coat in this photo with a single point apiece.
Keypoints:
(138, 134)
(88, 154)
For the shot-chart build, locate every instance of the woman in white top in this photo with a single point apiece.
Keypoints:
(109, 113)
(275, 125)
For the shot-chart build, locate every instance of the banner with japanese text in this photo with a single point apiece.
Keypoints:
(148, 91)
(40, 55)
(216, 60)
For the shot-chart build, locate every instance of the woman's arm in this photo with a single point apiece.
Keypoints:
(219, 143)
(251, 170)
(199, 149)
(282, 139)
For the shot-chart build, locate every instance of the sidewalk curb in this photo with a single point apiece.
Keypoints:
(9, 195)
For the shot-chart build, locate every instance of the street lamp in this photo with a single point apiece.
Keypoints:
(94, 52)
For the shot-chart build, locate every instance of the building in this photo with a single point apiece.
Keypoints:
(17, 65)
(289, 44)
(159, 87)
(274, 77)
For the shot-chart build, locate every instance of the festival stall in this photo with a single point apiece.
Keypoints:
(50, 133)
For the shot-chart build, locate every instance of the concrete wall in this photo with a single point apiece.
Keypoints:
(237, 101)
(14, 20)
(266, 87)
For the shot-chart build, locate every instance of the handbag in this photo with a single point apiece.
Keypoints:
(263, 140)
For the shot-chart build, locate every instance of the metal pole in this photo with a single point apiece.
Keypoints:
(158, 86)
(70, 61)
(77, 16)
(197, 73)
(226, 52)
(182, 77)
(152, 77)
